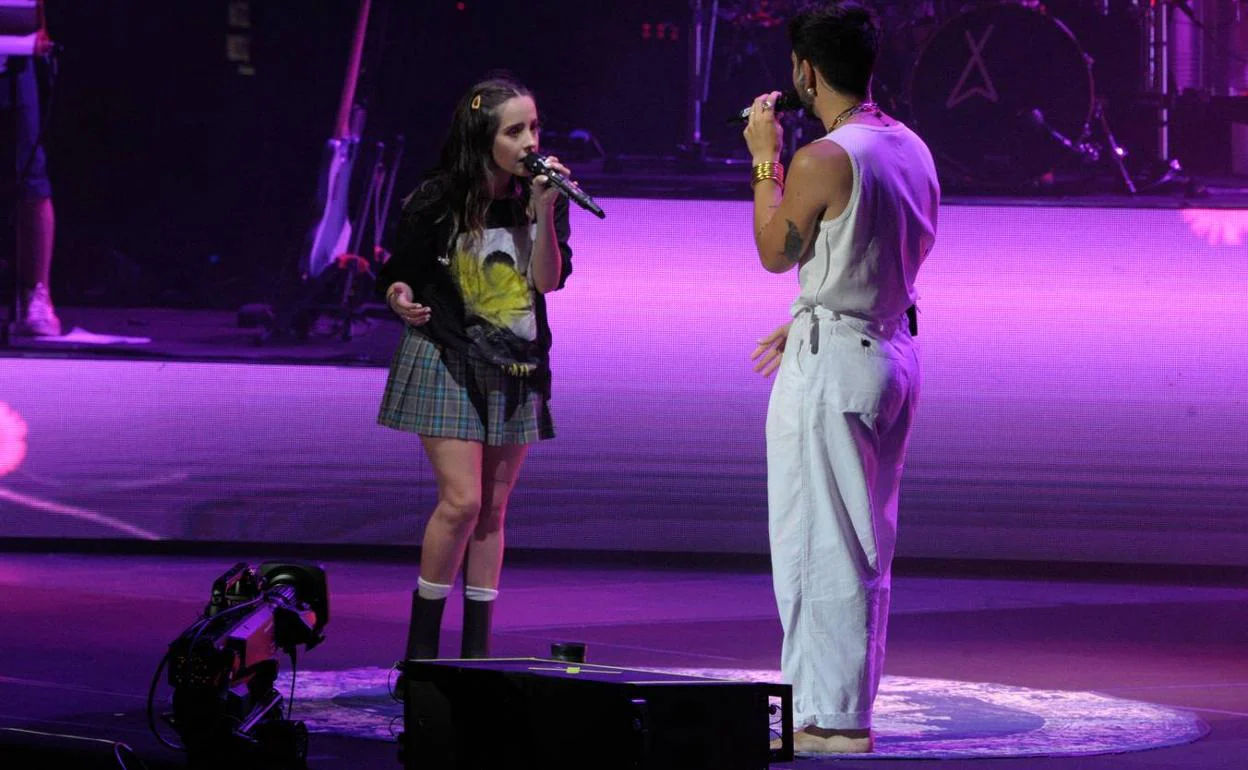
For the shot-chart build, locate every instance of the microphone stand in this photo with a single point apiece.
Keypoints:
(699, 81)
(704, 24)
(1157, 26)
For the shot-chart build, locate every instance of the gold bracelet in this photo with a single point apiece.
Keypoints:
(768, 169)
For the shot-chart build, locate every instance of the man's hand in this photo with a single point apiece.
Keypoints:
(770, 351)
(764, 136)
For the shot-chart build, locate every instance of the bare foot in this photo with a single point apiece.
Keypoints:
(817, 740)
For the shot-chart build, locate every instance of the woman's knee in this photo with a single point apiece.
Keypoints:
(459, 511)
(490, 520)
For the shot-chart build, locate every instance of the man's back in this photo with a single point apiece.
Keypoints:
(865, 260)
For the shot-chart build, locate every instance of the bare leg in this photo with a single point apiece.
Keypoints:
(35, 314)
(457, 467)
(816, 740)
(36, 224)
(499, 471)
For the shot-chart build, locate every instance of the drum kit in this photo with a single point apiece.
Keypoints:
(1007, 95)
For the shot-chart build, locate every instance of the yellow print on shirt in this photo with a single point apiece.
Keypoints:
(495, 291)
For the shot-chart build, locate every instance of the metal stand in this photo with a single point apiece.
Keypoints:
(1157, 70)
(339, 278)
(1116, 152)
(701, 52)
(704, 24)
(1156, 20)
(376, 205)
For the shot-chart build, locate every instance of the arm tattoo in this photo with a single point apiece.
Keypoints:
(792, 242)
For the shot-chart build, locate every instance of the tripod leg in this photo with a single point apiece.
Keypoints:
(348, 304)
(702, 27)
(348, 286)
(1115, 150)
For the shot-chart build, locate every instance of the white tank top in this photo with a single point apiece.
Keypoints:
(865, 261)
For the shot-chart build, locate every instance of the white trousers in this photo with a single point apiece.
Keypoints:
(837, 426)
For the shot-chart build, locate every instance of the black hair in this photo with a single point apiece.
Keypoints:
(460, 182)
(841, 41)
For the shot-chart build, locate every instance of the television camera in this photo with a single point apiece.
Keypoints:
(223, 667)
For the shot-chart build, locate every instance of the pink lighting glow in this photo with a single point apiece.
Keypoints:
(12, 439)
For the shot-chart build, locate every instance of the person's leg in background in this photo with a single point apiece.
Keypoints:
(35, 217)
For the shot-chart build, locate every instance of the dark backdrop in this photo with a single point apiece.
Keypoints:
(183, 179)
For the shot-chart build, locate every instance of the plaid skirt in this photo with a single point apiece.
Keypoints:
(447, 395)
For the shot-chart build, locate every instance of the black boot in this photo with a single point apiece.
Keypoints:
(476, 638)
(425, 627)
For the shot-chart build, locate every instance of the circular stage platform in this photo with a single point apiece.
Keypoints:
(914, 718)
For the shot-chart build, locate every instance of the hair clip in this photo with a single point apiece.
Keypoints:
(476, 102)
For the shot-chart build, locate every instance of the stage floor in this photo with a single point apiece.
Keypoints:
(1082, 382)
(1077, 363)
(83, 634)
(205, 335)
(1111, 243)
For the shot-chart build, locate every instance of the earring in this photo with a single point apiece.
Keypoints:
(810, 92)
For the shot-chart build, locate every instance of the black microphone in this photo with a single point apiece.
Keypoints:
(787, 102)
(537, 166)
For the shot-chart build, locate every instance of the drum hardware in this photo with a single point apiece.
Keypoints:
(1116, 152)
(1005, 95)
(747, 16)
(1155, 25)
(1157, 93)
(701, 51)
(977, 98)
(1002, 91)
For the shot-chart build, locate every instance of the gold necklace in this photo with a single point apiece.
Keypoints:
(853, 110)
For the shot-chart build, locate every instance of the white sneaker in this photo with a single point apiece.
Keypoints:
(35, 314)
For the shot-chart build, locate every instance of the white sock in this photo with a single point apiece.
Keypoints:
(427, 590)
(473, 593)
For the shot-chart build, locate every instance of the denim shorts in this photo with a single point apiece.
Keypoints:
(19, 102)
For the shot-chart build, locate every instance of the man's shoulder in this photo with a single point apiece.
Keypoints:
(821, 151)
(821, 171)
(823, 157)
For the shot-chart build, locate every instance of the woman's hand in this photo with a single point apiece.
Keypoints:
(770, 351)
(544, 193)
(401, 300)
(764, 135)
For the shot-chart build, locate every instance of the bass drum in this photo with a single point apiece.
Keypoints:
(1003, 94)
